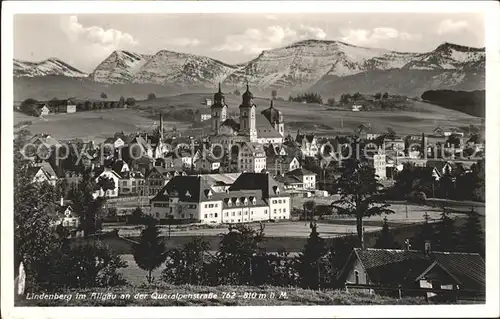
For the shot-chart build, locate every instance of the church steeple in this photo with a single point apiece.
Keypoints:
(219, 99)
(247, 98)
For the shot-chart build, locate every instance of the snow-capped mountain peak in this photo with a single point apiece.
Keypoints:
(119, 67)
(50, 66)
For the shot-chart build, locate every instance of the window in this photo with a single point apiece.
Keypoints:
(226, 214)
(232, 213)
(157, 215)
(280, 210)
(216, 205)
(206, 215)
(275, 210)
(356, 274)
(239, 213)
(279, 201)
(211, 215)
(215, 214)
(265, 211)
(284, 210)
(206, 206)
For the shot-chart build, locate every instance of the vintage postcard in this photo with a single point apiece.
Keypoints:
(250, 159)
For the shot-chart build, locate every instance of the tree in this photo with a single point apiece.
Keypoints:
(385, 96)
(331, 101)
(104, 95)
(360, 195)
(311, 263)
(378, 96)
(234, 257)
(106, 183)
(472, 235)
(150, 253)
(122, 100)
(339, 252)
(426, 233)
(274, 94)
(309, 208)
(130, 101)
(188, 265)
(446, 235)
(237, 92)
(34, 213)
(151, 96)
(386, 239)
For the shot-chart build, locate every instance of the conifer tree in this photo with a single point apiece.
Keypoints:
(446, 236)
(386, 238)
(311, 260)
(150, 253)
(472, 235)
(426, 233)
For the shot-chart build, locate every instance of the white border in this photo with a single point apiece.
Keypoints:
(490, 9)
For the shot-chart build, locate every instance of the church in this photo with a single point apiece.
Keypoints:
(253, 127)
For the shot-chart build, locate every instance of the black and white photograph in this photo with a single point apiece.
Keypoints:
(213, 156)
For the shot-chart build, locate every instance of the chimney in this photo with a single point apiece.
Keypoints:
(407, 244)
(62, 201)
(427, 247)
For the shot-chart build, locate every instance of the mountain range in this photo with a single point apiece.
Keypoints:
(328, 67)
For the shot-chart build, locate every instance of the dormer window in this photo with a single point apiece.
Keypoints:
(229, 202)
(254, 201)
(238, 202)
(209, 195)
(246, 201)
(188, 194)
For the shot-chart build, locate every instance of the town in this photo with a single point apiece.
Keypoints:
(248, 173)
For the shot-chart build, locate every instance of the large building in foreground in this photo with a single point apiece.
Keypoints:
(253, 127)
(222, 198)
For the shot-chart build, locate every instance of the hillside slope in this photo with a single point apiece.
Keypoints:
(46, 67)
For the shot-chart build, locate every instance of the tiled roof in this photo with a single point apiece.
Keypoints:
(392, 266)
(264, 128)
(300, 172)
(47, 169)
(308, 137)
(258, 181)
(232, 124)
(288, 180)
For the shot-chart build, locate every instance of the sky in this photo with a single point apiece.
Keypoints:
(84, 40)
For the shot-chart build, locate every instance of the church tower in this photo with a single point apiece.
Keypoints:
(275, 117)
(247, 116)
(218, 110)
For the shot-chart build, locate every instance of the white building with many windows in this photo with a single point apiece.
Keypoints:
(251, 197)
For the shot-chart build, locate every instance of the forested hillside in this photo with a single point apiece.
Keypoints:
(470, 102)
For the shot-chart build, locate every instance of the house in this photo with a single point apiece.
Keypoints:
(131, 183)
(115, 142)
(120, 167)
(307, 178)
(280, 159)
(179, 159)
(208, 102)
(139, 147)
(308, 144)
(42, 172)
(63, 106)
(250, 157)
(378, 162)
(251, 197)
(413, 269)
(157, 178)
(205, 115)
(66, 215)
(356, 107)
(207, 163)
(109, 173)
(290, 183)
(394, 144)
(43, 108)
(443, 167)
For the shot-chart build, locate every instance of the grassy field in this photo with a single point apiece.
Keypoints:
(324, 120)
(308, 117)
(92, 125)
(159, 295)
